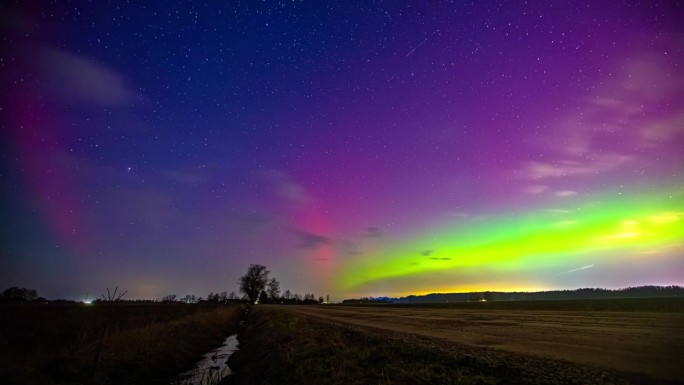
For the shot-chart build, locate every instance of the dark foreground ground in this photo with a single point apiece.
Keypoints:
(108, 343)
(538, 342)
(464, 345)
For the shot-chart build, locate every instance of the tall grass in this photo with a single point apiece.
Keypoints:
(277, 347)
(124, 344)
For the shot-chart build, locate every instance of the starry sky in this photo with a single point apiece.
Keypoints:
(355, 148)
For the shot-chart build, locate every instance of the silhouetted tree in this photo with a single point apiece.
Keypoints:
(111, 297)
(273, 290)
(19, 294)
(224, 297)
(263, 297)
(169, 298)
(287, 295)
(213, 297)
(254, 282)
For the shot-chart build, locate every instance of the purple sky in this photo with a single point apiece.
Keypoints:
(164, 148)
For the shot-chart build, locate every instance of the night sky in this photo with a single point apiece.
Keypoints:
(354, 148)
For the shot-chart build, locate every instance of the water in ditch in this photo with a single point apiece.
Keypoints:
(213, 367)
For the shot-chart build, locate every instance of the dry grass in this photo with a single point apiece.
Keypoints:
(132, 343)
(278, 347)
(643, 343)
(286, 345)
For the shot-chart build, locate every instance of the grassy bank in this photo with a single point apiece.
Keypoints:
(280, 348)
(108, 344)
(277, 347)
(281, 345)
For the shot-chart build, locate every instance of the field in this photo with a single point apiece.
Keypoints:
(620, 341)
(540, 342)
(120, 343)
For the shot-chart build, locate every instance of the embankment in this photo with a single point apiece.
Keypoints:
(109, 344)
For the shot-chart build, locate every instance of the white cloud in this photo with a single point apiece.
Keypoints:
(567, 168)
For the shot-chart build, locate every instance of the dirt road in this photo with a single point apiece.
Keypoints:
(633, 342)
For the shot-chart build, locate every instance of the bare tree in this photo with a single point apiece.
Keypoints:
(169, 298)
(113, 296)
(287, 294)
(254, 282)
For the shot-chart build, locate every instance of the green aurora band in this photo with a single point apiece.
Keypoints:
(543, 239)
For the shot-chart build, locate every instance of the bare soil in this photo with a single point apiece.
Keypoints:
(644, 345)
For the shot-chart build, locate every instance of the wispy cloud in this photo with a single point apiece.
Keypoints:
(565, 193)
(348, 247)
(249, 220)
(373, 232)
(459, 215)
(311, 241)
(663, 130)
(568, 168)
(74, 78)
(623, 107)
(614, 126)
(535, 189)
(557, 211)
(287, 188)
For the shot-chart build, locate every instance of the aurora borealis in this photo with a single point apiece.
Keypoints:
(354, 148)
(532, 248)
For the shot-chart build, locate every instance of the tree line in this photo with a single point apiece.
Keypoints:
(259, 288)
(255, 287)
(584, 293)
(20, 294)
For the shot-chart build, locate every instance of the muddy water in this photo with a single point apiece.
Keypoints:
(213, 367)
